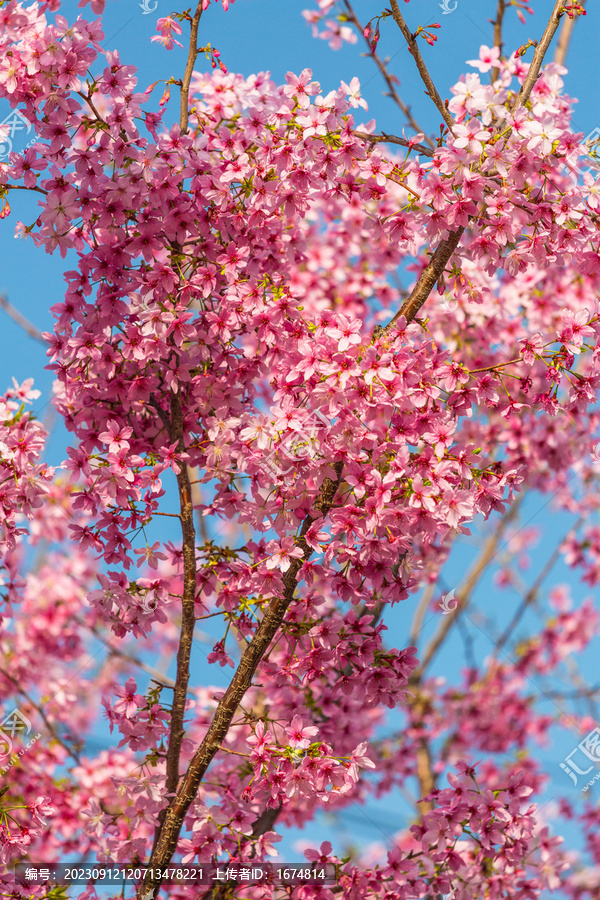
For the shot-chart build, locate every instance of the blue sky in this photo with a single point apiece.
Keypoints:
(270, 35)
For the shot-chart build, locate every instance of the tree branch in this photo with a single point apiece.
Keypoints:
(189, 69)
(531, 594)
(423, 71)
(188, 615)
(488, 553)
(158, 676)
(384, 138)
(564, 38)
(20, 319)
(387, 77)
(422, 289)
(538, 56)
(498, 34)
(174, 814)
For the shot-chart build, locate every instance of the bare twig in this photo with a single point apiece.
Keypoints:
(488, 553)
(531, 594)
(21, 187)
(423, 71)
(384, 138)
(39, 709)
(387, 77)
(158, 676)
(20, 319)
(564, 38)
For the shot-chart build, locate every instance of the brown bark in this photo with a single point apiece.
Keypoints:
(175, 813)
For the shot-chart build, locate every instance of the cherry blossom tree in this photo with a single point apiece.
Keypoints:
(236, 356)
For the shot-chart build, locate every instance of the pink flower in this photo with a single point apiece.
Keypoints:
(488, 58)
(353, 92)
(543, 134)
(282, 554)
(97, 819)
(300, 736)
(470, 136)
(116, 436)
(129, 701)
(359, 760)
(167, 27)
(150, 555)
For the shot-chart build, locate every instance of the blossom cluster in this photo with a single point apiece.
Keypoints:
(220, 321)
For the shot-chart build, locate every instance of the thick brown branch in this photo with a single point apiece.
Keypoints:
(175, 813)
(423, 71)
(498, 21)
(422, 289)
(189, 69)
(538, 56)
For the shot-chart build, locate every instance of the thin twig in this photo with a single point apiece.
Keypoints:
(384, 138)
(21, 187)
(531, 594)
(386, 76)
(423, 70)
(488, 553)
(39, 709)
(20, 319)
(129, 657)
(564, 38)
